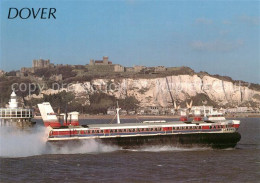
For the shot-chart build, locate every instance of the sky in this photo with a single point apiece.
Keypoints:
(219, 37)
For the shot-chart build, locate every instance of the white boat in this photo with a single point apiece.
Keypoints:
(222, 134)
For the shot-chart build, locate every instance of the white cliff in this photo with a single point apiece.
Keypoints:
(151, 92)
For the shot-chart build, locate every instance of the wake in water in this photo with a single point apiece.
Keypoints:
(16, 143)
(161, 148)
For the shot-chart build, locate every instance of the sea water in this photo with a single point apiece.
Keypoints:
(25, 157)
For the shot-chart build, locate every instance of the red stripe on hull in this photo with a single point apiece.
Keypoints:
(197, 118)
(205, 127)
(74, 123)
(236, 125)
(52, 124)
(183, 118)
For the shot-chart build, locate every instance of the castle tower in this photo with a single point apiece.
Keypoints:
(105, 60)
(41, 63)
(34, 63)
(91, 62)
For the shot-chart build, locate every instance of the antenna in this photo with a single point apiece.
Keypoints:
(117, 113)
(204, 111)
(66, 114)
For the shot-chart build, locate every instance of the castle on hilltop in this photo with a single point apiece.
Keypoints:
(104, 66)
(41, 63)
(36, 64)
(100, 62)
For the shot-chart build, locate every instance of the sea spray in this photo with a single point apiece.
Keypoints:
(162, 148)
(32, 142)
(88, 146)
(21, 143)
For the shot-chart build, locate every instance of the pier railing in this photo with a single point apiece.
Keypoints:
(7, 113)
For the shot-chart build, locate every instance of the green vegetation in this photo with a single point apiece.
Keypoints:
(100, 102)
(66, 71)
(200, 100)
(25, 89)
(129, 103)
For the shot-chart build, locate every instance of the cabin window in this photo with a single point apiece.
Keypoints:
(187, 127)
(199, 127)
(155, 129)
(177, 128)
(124, 130)
(116, 130)
(190, 127)
(173, 128)
(111, 131)
(133, 130)
(142, 129)
(210, 127)
(147, 129)
(102, 131)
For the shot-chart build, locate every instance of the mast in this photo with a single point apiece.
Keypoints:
(117, 113)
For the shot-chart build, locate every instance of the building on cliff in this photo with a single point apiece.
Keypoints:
(2, 73)
(36, 64)
(104, 66)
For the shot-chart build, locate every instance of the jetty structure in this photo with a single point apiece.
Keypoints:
(16, 116)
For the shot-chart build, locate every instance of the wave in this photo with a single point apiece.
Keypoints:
(161, 148)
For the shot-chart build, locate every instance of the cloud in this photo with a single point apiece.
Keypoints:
(250, 20)
(203, 20)
(224, 32)
(226, 22)
(217, 45)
